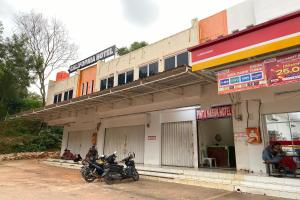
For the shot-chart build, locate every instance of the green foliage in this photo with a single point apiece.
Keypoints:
(16, 61)
(20, 135)
(134, 46)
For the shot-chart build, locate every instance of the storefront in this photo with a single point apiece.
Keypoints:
(284, 128)
(215, 137)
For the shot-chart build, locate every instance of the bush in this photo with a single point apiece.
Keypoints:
(28, 136)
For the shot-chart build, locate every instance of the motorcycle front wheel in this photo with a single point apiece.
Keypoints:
(88, 177)
(136, 175)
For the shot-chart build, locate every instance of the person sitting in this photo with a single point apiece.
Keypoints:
(67, 155)
(273, 154)
(77, 158)
(92, 154)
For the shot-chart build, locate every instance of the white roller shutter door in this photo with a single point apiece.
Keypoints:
(80, 142)
(124, 140)
(177, 144)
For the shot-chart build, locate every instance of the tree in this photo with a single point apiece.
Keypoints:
(15, 65)
(134, 46)
(49, 42)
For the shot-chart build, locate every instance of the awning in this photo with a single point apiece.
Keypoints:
(274, 35)
(164, 81)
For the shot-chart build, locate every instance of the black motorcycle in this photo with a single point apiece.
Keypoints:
(114, 171)
(92, 170)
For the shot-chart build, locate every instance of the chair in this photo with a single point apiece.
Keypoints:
(211, 162)
(205, 159)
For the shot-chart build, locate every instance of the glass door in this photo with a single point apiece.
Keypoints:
(285, 129)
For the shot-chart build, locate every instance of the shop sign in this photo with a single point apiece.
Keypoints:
(151, 137)
(283, 70)
(216, 112)
(241, 78)
(276, 71)
(93, 59)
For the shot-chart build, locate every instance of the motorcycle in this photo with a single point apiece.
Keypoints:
(114, 171)
(92, 170)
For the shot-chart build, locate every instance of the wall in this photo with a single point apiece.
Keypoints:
(87, 76)
(207, 129)
(55, 87)
(153, 147)
(240, 16)
(153, 52)
(269, 9)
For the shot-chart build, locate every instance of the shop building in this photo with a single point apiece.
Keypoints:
(210, 96)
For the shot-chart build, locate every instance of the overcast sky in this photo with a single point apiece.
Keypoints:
(97, 24)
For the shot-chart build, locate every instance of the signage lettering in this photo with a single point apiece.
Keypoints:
(216, 112)
(94, 58)
(276, 71)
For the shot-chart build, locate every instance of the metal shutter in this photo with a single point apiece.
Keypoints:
(80, 142)
(177, 144)
(124, 140)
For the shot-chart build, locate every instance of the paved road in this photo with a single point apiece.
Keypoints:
(31, 180)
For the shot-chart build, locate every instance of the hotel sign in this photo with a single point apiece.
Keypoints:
(93, 59)
(214, 113)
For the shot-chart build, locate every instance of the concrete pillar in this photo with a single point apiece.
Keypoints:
(152, 154)
(195, 143)
(64, 140)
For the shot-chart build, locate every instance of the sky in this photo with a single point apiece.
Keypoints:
(94, 25)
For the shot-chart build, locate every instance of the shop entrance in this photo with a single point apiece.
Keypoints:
(215, 138)
(284, 128)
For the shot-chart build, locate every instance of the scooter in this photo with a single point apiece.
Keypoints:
(114, 171)
(93, 170)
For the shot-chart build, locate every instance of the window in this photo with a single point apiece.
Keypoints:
(129, 76)
(125, 77)
(59, 97)
(153, 69)
(285, 129)
(143, 72)
(148, 70)
(103, 84)
(169, 63)
(66, 95)
(110, 82)
(55, 99)
(82, 89)
(121, 79)
(107, 83)
(177, 61)
(183, 59)
(87, 88)
(92, 86)
(70, 94)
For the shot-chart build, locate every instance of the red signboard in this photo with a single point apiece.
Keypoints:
(283, 70)
(241, 78)
(151, 137)
(276, 71)
(247, 38)
(216, 112)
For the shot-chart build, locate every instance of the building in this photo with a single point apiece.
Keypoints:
(216, 93)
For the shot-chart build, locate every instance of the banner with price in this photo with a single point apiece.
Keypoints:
(283, 70)
(271, 72)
